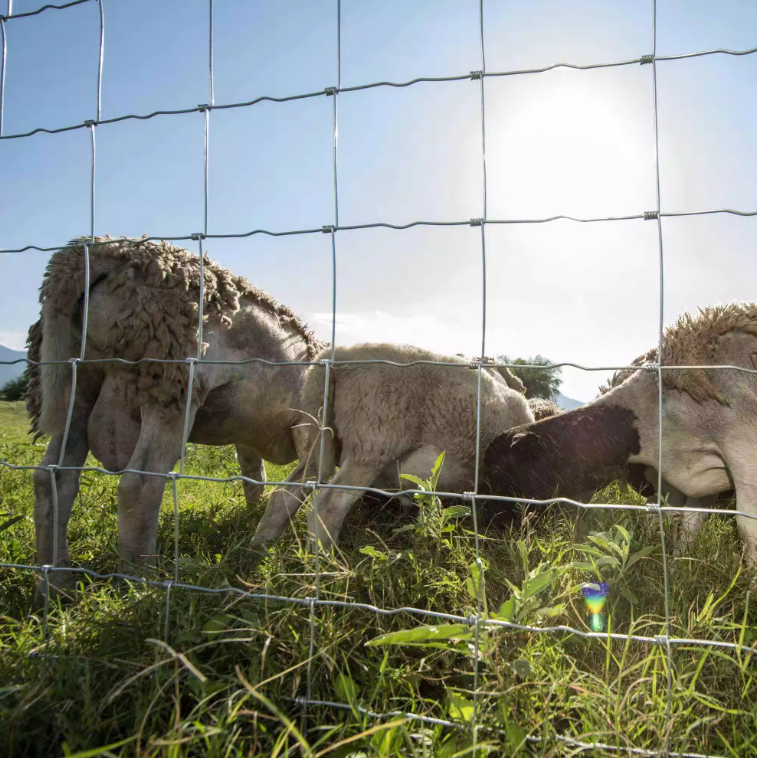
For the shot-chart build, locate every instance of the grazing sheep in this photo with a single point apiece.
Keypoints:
(143, 303)
(543, 408)
(709, 434)
(644, 478)
(387, 416)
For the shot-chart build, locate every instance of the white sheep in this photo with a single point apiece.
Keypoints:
(709, 442)
(385, 418)
(143, 303)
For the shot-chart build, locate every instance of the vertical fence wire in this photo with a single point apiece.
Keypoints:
(193, 360)
(85, 322)
(3, 63)
(479, 583)
(210, 52)
(101, 59)
(660, 335)
(334, 92)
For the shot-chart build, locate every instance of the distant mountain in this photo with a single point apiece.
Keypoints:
(567, 403)
(11, 372)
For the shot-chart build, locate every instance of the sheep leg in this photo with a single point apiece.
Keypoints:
(746, 500)
(334, 504)
(689, 524)
(139, 495)
(251, 465)
(286, 500)
(283, 505)
(66, 487)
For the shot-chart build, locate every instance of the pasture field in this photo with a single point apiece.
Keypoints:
(104, 679)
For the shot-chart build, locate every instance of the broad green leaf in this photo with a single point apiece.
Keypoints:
(423, 634)
(608, 560)
(415, 479)
(455, 511)
(624, 532)
(370, 550)
(628, 595)
(608, 544)
(437, 470)
(538, 583)
(507, 610)
(460, 707)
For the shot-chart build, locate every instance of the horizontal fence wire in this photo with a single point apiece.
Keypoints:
(478, 621)
(651, 508)
(647, 216)
(397, 364)
(644, 59)
(307, 602)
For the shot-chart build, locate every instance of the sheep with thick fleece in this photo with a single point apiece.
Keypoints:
(709, 438)
(383, 419)
(143, 304)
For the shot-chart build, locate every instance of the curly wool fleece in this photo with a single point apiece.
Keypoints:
(692, 341)
(157, 310)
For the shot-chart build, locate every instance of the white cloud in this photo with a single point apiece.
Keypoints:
(13, 340)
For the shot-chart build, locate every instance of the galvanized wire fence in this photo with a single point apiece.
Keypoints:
(478, 620)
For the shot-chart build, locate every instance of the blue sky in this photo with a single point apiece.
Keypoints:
(570, 142)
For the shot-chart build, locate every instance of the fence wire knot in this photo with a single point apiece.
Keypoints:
(471, 620)
(469, 496)
(52, 467)
(653, 508)
(301, 700)
(330, 91)
(328, 229)
(476, 222)
(645, 59)
(651, 215)
(661, 639)
(476, 75)
(196, 236)
(204, 107)
(91, 123)
(310, 485)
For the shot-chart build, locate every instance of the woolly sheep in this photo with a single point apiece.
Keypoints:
(143, 304)
(385, 417)
(709, 436)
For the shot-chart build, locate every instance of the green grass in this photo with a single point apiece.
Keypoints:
(222, 683)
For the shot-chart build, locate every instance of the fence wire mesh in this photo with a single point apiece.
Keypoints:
(478, 621)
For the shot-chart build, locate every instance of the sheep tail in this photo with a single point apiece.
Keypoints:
(61, 291)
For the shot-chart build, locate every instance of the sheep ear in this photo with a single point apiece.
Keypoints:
(520, 436)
